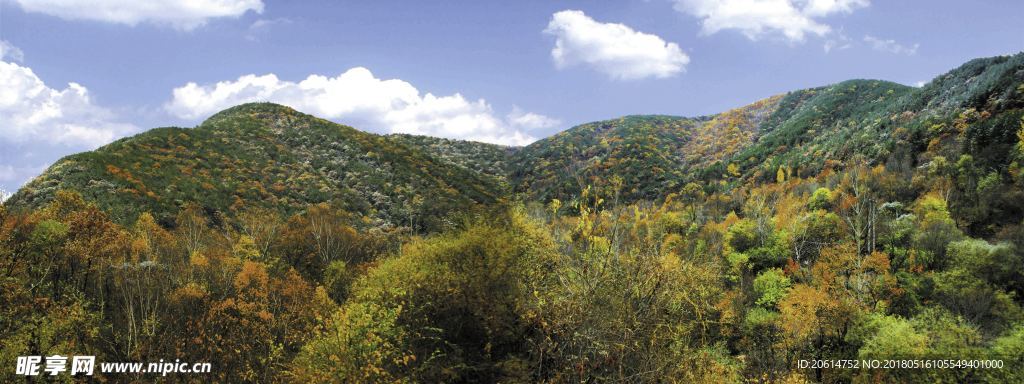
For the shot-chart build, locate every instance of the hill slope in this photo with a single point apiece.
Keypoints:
(973, 109)
(269, 155)
(650, 155)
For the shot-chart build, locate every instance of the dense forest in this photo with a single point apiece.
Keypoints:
(862, 220)
(275, 157)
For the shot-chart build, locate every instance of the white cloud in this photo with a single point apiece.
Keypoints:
(839, 41)
(9, 51)
(262, 26)
(891, 46)
(185, 15)
(613, 49)
(835, 44)
(33, 111)
(818, 8)
(529, 120)
(41, 123)
(793, 19)
(358, 98)
(15, 175)
(920, 83)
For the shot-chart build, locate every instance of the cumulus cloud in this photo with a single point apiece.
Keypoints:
(530, 121)
(41, 123)
(891, 46)
(613, 49)
(9, 51)
(185, 15)
(33, 111)
(793, 19)
(358, 98)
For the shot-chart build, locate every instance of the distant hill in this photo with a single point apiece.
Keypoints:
(266, 154)
(650, 155)
(656, 154)
(270, 155)
(974, 109)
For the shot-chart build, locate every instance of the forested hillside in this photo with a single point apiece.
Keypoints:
(860, 220)
(490, 160)
(649, 154)
(274, 157)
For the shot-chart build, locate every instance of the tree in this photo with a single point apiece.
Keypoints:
(448, 308)
(338, 278)
(1010, 348)
(815, 324)
(625, 305)
(893, 338)
(733, 170)
(142, 276)
(1020, 136)
(192, 228)
(997, 264)
(975, 299)
(858, 205)
(238, 328)
(935, 230)
(46, 239)
(770, 286)
(812, 232)
(743, 235)
(333, 239)
(363, 343)
(261, 224)
(693, 196)
(820, 199)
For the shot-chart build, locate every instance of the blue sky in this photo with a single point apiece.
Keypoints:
(77, 74)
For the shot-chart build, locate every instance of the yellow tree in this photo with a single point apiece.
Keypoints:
(192, 228)
(262, 225)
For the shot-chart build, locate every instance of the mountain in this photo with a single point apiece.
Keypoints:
(651, 155)
(655, 154)
(271, 155)
(489, 160)
(847, 222)
(974, 109)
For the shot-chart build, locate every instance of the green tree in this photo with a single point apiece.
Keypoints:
(820, 199)
(770, 287)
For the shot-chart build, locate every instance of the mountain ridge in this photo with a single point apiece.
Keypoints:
(275, 155)
(264, 153)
